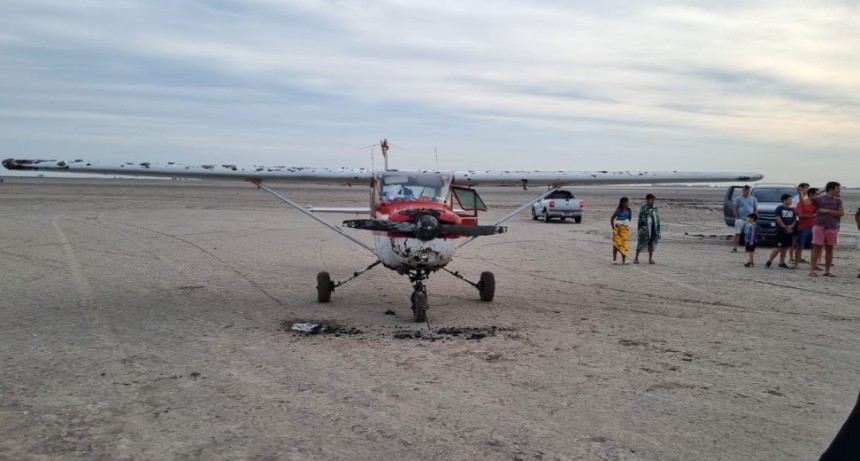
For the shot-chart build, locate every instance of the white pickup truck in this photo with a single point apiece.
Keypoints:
(559, 204)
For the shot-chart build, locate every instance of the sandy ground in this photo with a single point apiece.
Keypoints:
(146, 320)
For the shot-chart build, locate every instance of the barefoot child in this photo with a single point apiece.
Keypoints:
(751, 236)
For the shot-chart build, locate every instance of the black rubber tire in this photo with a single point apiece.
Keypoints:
(419, 306)
(324, 287)
(577, 219)
(487, 286)
(534, 215)
(563, 219)
(545, 216)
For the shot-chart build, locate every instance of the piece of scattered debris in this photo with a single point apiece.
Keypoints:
(407, 334)
(316, 328)
(390, 312)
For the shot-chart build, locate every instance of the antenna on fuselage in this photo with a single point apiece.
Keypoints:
(384, 145)
(372, 167)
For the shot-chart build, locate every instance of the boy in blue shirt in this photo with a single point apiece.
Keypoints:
(786, 222)
(751, 236)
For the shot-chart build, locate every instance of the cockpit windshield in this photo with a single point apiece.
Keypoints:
(397, 186)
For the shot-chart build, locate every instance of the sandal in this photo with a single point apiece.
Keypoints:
(635, 261)
(828, 274)
(651, 262)
(813, 274)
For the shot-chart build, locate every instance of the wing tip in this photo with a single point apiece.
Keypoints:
(17, 164)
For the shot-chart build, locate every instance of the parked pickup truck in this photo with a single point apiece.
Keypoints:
(559, 204)
(767, 196)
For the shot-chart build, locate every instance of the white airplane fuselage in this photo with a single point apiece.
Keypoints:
(412, 253)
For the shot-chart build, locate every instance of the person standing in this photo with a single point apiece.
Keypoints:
(648, 228)
(795, 200)
(801, 188)
(620, 223)
(828, 210)
(743, 205)
(786, 222)
(857, 220)
(751, 237)
(805, 221)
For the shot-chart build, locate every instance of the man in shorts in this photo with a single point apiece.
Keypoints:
(828, 210)
(743, 205)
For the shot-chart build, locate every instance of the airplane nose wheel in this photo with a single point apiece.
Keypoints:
(419, 298)
(419, 306)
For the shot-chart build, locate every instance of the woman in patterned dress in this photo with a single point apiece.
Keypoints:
(620, 223)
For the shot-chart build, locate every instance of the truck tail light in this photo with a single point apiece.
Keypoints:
(552, 203)
(581, 204)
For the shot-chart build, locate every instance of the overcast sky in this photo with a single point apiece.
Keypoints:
(767, 86)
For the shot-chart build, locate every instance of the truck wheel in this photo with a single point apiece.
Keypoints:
(487, 286)
(578, 219)
(534, 215)
(324, 287)
(546, 217)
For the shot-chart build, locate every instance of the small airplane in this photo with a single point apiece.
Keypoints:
(418, 218)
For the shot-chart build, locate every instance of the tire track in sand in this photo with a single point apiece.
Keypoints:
(82, 285)
(259, 288)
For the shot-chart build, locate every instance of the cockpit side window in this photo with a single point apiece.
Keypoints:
(468, 199)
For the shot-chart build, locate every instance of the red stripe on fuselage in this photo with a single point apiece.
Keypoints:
(408, 211)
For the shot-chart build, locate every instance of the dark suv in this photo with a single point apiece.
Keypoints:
(767, 196)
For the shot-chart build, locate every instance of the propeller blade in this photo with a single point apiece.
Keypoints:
(412, 229)
(378, 225)
(475, 231)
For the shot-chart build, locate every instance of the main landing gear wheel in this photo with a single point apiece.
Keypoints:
(324, 287)
(487, 286)
(419, 306)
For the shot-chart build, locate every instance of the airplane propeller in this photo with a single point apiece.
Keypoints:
(425, 228)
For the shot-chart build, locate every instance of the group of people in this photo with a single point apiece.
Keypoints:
(648, 229)
(808, 218)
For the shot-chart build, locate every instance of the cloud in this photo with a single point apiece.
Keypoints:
(249, 76)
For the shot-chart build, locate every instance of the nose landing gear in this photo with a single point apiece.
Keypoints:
(419, 295)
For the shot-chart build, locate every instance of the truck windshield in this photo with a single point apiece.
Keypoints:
(772, 195)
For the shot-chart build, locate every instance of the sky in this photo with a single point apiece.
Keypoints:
(766, 86)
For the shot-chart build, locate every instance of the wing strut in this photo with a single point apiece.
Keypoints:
(510, 215)
(316, 218)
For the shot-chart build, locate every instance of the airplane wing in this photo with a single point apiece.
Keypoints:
(364, 176)
(585, 178)
(347, 176)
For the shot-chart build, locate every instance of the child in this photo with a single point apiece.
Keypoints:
(751, 236)
(786, 223)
